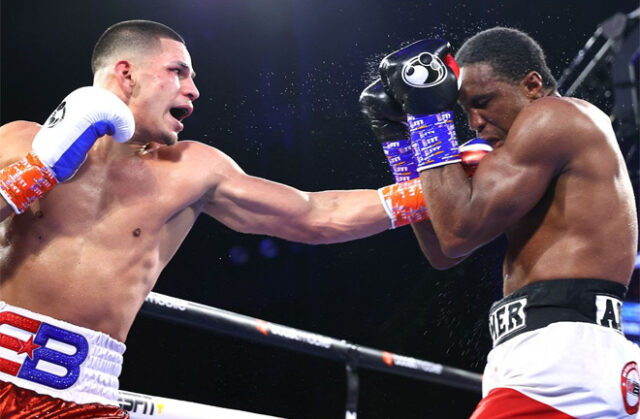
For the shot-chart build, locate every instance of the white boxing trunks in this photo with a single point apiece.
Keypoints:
(559, 353)
(58, 359)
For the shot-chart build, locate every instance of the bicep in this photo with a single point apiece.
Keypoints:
(254, 205)
(508, 186)
(512, 180)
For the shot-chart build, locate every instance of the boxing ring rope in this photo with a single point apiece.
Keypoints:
(353, 356)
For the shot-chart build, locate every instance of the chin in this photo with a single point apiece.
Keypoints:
(168, 138)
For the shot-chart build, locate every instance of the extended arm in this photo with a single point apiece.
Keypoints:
(254, 205)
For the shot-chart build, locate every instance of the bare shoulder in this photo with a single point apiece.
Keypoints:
(565, 116)
(201, 157)
(15, 139)
(18, 130)
(560, 125)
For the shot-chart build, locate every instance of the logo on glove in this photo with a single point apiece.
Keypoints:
(424, 70)
(57, 115)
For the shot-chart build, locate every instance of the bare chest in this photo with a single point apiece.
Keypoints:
(123, 205)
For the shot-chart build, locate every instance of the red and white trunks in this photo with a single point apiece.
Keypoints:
(559, 354)
(53, 369)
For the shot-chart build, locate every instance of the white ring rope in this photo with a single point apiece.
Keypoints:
(143, 406)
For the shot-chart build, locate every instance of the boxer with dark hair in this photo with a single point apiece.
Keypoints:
(97, 201)
(556, 184)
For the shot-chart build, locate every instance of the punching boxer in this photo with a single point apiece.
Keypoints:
(97, 201)
(556, 184)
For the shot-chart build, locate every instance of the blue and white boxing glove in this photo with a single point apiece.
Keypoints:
(62, 144)
(85, 115)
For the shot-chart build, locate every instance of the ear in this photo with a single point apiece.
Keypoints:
(532, 86)
(123, 70)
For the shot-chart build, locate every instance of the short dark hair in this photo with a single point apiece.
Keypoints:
(143, 35)
(511, 53)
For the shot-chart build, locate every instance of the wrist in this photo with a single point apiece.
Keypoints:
(399, 155)
(404, 202)
(24, 181)
(434, 140)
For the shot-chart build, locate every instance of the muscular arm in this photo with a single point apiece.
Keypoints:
(254, 205)
(430, 246)
(510, 181)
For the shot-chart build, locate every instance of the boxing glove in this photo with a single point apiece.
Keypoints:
(404, 201)
(423, 78)
(62, 144)
(389, 127)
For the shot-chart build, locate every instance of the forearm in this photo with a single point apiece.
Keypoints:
(254, 205)
(339, 216)
(455, 213)
(430, 246)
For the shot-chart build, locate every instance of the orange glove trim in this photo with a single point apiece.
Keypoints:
(404, 202)
(24, 181)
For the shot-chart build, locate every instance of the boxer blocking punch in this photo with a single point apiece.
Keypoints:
(404, 201)
(557, 186)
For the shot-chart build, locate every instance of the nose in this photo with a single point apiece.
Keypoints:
(190, 90)
(476, 121)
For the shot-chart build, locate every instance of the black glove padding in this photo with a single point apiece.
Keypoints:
(385, 115)
(422, 77)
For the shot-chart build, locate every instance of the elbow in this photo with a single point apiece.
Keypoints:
(453, 249)
(442, 264)
(456, 244)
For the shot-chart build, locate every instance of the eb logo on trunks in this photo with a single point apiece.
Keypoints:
(57, 369)
(506, 319)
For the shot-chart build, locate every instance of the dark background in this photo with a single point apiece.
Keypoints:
(279, 83)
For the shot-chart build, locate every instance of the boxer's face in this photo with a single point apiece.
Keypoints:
(490, 102)
(163, 92)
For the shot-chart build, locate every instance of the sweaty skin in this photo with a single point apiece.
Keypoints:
(556, 184)
(90, 251)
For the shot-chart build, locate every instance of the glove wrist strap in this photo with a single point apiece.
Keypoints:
(404, 202)
(434, 140)
(24, 181)
(400, 157)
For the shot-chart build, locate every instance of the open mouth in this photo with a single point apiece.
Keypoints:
(180, 113)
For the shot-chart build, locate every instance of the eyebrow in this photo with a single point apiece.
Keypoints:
(186, 67)
(476, 98)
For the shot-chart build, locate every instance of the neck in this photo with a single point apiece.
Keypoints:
(107, 149)
(551, 92)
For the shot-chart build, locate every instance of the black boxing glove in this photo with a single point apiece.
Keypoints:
(423, 78)
(389, 126)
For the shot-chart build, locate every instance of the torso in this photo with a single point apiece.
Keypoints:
(585, 226)
(92, 249)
